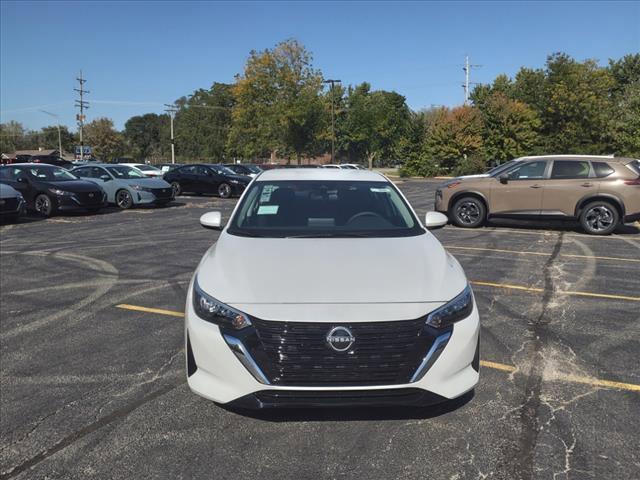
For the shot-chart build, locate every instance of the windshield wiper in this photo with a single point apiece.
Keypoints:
(330, 235)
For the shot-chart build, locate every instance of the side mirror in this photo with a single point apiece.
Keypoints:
(504, 178)
(211, 220)
(435, 220)
(106, 178)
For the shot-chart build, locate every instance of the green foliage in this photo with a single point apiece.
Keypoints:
(278, 106)
(625, 122)
(105, 141)
(49, 138)
(143, 135)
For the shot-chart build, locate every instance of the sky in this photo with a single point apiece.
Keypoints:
(137, 56)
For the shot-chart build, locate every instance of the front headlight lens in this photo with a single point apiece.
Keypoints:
(457, 309)
(140, 188)
(57, 191)
(211, 310)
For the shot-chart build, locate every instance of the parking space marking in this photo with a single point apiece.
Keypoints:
(557, 292)
(485, 363)
(480, 249)
(160, 311)
(539, 232)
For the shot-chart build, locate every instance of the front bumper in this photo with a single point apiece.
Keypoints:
(82, 201)
(216, 373)
(12, 207)
(156, 195)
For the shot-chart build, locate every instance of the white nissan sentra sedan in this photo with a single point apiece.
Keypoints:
(324, 288)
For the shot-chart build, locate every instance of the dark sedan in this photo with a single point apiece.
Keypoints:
(48, 189)
(244, 169)
(206, 178)
(12, 204)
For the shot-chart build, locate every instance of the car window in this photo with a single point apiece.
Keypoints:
(568, 169)
(323, 208)
(145, 168)
(82, 172)
(50, 174)
(602, 169)
(188, 170)
(9, 173)
(122, 172)
(203, 171)
(528, 171)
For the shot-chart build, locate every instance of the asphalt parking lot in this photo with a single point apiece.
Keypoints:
(90, 389)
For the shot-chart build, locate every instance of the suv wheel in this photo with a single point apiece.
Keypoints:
(468, 212)
(599, 218)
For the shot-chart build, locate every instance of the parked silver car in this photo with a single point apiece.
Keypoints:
(126, 186)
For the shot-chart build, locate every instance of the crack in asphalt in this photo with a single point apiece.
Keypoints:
(525, 458)
(83, 432)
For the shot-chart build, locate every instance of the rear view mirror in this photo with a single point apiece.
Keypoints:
(504, 178)
(435, 220)
(211, 220)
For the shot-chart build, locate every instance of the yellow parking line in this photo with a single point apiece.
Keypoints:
(557, 292)
(485, 363)
(160, 311)
(480, 249)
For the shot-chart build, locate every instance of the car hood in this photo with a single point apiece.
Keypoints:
(147, 182)
(264, 276)
(7, 191)
(76, 186)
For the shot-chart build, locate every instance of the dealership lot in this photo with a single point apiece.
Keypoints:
(92, 371)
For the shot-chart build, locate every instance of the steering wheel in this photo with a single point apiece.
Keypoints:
(364, 214)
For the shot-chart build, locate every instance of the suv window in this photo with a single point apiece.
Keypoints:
(602, 169)
(567, 169)
(529, 171)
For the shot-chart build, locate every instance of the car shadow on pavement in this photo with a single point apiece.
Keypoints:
(354, 414)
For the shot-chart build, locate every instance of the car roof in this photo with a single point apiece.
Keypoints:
(609, 158)
(320, 174)
(30, 164)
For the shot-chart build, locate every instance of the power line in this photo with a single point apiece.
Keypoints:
(82, 105)
(467, 74)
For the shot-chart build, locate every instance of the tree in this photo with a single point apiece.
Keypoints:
(510, 128)
(455, 137)
(625, 122)
(625, 71)
(278, 105)
(49, 138)
(374, 124)
(106, 142)
(143, 134)
(12, 136)
(202, 123)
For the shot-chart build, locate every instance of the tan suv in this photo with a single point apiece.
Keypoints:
(599, 191)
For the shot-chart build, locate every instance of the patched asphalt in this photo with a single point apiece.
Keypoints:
(88, 390)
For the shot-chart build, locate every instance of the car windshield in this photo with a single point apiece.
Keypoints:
(146, 168)
(310, 208)
(222, 170)
(125, 173)
(50, 174)
(500, 168)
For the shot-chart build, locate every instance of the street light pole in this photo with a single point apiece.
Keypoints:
(333, 127)
(58, 125)
(171, 110)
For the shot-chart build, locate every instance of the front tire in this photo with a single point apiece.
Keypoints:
(177, 190)
(124, 199)
(224, 190)
(599, 218)
(468, 212)
(44, 205)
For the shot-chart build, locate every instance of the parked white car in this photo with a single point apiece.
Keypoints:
(147, 170)
(325, 289)
(126, 186)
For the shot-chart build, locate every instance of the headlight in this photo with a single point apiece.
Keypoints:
(140, 188)
(57, 191)
(457, 309)
(211, 310)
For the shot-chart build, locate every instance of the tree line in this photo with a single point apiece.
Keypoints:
(279, 106)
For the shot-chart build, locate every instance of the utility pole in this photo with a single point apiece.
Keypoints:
(333, 126)
(467, 74)
(81, 104)
(171, 110)
(58, 125)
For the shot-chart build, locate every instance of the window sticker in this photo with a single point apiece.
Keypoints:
(268, 209)
(380, 190)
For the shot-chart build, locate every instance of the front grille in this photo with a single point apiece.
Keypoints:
(162, 192)
(296, 353)
(89, 198)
